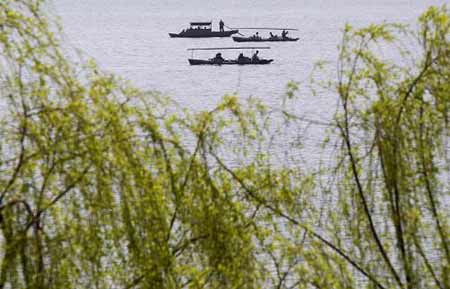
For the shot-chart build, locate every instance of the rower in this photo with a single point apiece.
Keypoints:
(243, 59)
(255, 57)
(271, 35)
(284, 34)
(221, 25)
(218, 58)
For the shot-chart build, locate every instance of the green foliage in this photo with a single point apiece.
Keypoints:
(394, 129)
(104, 186)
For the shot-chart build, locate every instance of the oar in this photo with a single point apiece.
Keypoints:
(232, 29)
(264, 28)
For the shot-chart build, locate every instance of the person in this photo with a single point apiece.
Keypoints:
(284, 34)
(221, 25)
(218, 58)
(271, 35)
(255, 57)
(242, 58)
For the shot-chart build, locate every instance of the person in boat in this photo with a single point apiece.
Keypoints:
(284, 34)
(255, 57)
(218, 58)
(271, 35)
(243, 59)
(221, 25)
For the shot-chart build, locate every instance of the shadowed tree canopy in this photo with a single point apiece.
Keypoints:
(106, 186)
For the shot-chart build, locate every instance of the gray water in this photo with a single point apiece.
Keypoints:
(130, 38)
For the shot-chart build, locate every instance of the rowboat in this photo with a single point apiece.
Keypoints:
(228, 62)
(272, 38)
(260, 39)
(218, 60)
(202, 30)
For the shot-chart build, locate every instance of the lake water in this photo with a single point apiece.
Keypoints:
(130, 38)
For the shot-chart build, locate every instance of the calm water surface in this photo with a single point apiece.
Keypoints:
(130, 38)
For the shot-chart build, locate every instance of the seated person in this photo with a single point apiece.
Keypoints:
(256, 36)
(243, 59)
(218, 58)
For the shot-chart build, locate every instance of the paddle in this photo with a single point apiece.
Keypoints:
(232, 29)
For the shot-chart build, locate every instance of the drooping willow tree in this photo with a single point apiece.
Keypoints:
(392, 207)
(104, 186)
(98, 189)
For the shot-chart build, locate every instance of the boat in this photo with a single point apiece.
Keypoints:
(261, 39)
(202, 30)
(218, 60)
(271, 38)
(228, 62)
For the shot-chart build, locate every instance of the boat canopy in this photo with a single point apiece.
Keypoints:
(265, 28)
(201, 23)
(226, 48)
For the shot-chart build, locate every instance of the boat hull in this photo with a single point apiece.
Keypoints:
(252, 39)
(202, 34)
(228, 62)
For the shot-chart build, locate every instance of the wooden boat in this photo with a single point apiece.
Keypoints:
(271, 38)
(228, 62)
(260, 39)
(241, 60)
(201, 30)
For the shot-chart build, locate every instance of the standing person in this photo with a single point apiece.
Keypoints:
(255, 57)
(221, 25)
